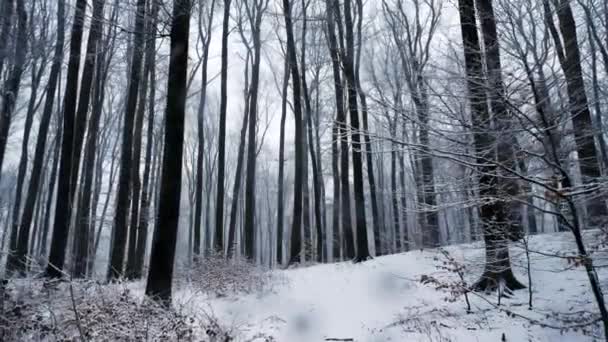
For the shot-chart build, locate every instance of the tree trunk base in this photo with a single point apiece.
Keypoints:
(491, 281)
(359, 259)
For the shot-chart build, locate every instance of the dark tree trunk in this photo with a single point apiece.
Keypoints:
(296, 243)
(316, 181)
(165, 232)
(431, 235)
(394, 191)
(7, 10)
(377, 219)
(579, 109)
(237, 184)
(13, 82)
(252, 145)
(120, 227)
(597, 103)
(335, 210)
(63, 207)
(44, 227)
(348, 62)
(132, 271)
(347, 231)
(501, 115)
(219, 204)
(495, 215)
(200, 157)
(84, 214)
(281, 191)
(16, 259)
(81, 232)
(142, 227)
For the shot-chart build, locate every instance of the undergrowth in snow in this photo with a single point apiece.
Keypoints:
(413, 296)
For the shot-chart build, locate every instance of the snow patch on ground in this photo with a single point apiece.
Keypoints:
(384, 300)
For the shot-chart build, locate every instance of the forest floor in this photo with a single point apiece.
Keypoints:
(382, 299)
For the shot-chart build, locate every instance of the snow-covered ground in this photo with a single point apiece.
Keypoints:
(379, 300)
(384, 300)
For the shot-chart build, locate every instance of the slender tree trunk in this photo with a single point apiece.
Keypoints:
(377, 219)
(335, 210)
(134, 231)
(237, 185)
(51, 187)
(63, 207)
(597, 105)
(13, 82)
(579, 109)
(142, 228)
(120, 227)
(165, 232)
(347, 231)
(81, 236)
(394, 190)
(219, 204)
(252, 145)
(348, 63)
(281, 191)
(315, 171)
(299, 141)
(15, 259)
(201, 131)
(5, 30)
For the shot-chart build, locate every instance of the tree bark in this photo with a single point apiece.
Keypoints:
(299, 141)
(201, 129)
(579, 109)
(142, 228)
(347, 231)
(219, 204)
(281, 192)
(165, 233)
(260, 7)
(63, 207)
(120, 228)
(494, 213)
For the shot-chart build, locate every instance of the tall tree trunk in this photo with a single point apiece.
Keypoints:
(348, 62)
(81, 235)
(13, 82)
(579, 109)
(237, 184)
(281, 191)
(299, 141)
(316, 181)
(165, 232)
(501, 115)
(120, 227)
(394, 191)
(347, 231)
(142, 228)
(219, 204)
(5, 28)
(495, 214)
(63, 207)
(335, 210)
(252, 145)
(597, 104)
(200, 157)
(377, 219)
(15, 259)
(134, 231)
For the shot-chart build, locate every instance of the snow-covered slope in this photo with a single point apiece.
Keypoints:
(384, 300)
